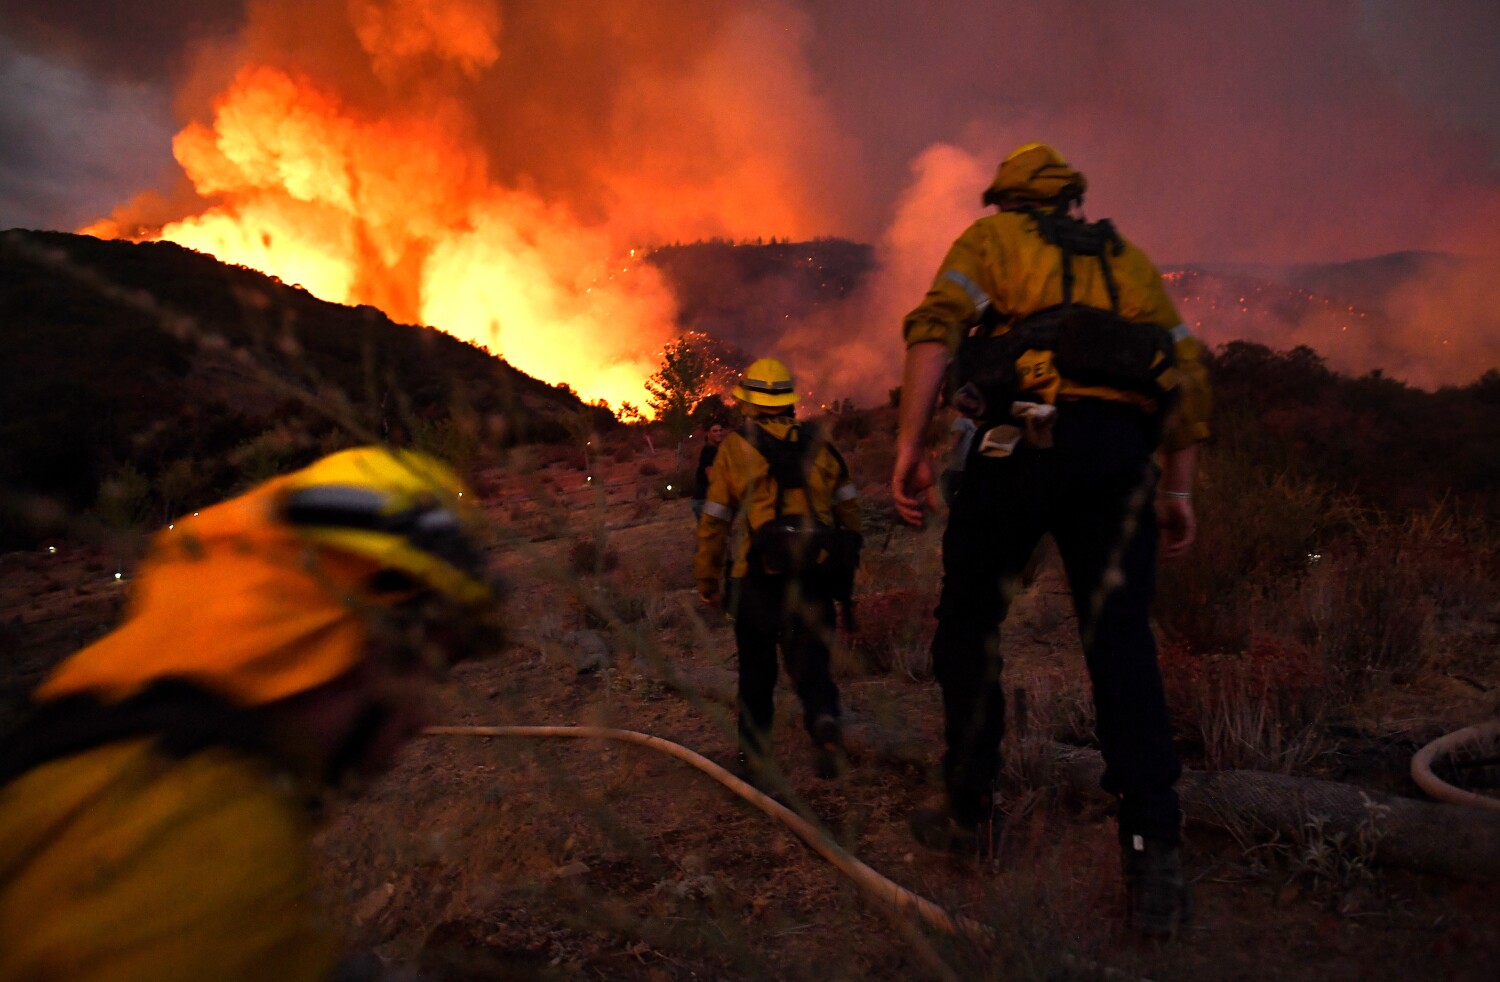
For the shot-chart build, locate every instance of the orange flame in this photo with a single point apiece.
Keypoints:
(355, 152)
(398, 212)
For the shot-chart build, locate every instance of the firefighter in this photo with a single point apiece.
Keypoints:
(154, 808)
(801, 518)
(712, 437)
(1057, 337)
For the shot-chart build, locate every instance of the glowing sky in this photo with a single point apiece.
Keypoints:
(1284, 130)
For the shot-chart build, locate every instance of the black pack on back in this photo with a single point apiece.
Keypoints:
(823, 554)
(1090, 345)
(788, 459)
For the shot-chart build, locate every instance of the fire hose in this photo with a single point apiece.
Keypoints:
(1449, 747)
(892, 894)
(1261, 795)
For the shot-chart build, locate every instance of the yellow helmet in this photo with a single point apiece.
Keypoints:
(1035, 172)
(399, 508)
(766, 383)
(275, 592)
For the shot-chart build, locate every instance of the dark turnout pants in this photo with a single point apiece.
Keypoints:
(1094, 493)
(771, 610)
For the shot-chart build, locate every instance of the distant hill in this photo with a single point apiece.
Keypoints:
(1365, 283)
(184, 373)
(1431, 319)
(748, 294)
(1223, 305)
(126, 366)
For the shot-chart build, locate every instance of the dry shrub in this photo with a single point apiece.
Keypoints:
(1259, 709)
(1455, 560)
(1363, 610)
(649, 468)
(871, 461)
(548, 454)
(895, 630)
(849, 427)
(455, 439)
(1255, 534)
(613, 605)
(591, 554)
(642, 508)
(274, 451)
(1337, 864)
(1042, 711)
(522, 459)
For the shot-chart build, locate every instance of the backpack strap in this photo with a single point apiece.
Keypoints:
(786, 459)
(1074, 237)
(838, 458)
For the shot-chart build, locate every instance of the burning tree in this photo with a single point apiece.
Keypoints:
(696, 371)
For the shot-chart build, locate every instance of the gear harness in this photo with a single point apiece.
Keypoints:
(1090, 346)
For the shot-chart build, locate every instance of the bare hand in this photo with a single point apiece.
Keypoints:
(1178, 525)
(912, 487)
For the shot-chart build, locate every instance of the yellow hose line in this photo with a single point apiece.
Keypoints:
(1421, 765)
(898, 897)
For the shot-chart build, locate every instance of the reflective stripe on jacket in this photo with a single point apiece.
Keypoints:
(1001, 262)
(741, 482)
(120, 864)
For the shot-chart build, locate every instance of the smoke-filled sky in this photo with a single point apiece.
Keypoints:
(1277, 130)
(414, 144)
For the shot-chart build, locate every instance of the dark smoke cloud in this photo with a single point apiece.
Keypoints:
(137, 41)
(52, 112)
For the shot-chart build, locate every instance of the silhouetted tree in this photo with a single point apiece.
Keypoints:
(695, 369)
(1487, 388)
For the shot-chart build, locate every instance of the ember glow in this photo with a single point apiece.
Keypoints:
(372, 179)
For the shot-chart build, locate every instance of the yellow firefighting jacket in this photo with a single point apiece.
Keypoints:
(741, 481)
(119, 864)
(1001, 262)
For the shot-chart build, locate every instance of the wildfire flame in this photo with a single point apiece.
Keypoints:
(393, 201)
(398, 212)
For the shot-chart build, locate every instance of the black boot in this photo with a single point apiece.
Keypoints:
(939, 831)
(829, 761)
(1157, 892)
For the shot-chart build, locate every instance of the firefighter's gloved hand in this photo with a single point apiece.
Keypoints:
(708, 592)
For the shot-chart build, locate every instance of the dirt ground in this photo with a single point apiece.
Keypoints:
(483, 858)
